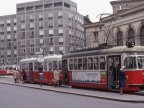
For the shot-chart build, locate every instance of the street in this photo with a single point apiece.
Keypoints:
(21, 97)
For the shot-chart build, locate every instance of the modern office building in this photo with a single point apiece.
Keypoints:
(48, 26)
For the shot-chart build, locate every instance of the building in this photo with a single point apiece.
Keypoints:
(125, 24)
(8, 40)
(47, 26)
(53, 26)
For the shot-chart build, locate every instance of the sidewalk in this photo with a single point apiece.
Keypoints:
(81, 92)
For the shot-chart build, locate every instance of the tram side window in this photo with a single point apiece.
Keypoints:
(96, 63)
(130, 63)
(50, 66)
(60, 65)
(90, 63)
(75, 64)
(102, 63)
(80, 63)
(140, 62)
(84, 63)
(36, 65)
(71, 64)
(45, 65)
(55, 66)
(26, 66)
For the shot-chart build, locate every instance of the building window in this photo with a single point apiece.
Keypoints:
(119, 39)
(50, 15)
(41, 41)
(50, 23)
(60, 13)
(142, 36)
(15, 52)
(15, 28)
(51, 49)
(50, 41)
(23, 42)
(9, 52)
(8, 36)
(60, 31)
(48, 5)
(31, 50)
(61, 48)
(8, 29)
(131, 35)
(50, 32)
(22, 18)
(95, 37)
(57, 4)
(41, 25)
(41, 33)
(41, 16)
(22, 26)
(60, 22)
(32, 42)
(31, 25)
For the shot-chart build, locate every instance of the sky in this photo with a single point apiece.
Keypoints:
(85, 7)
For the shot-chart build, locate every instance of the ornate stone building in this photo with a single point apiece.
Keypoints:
(125, 24)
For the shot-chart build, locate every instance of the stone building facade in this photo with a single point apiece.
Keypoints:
(122, 26)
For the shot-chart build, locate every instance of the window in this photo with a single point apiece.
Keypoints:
(102, 63)
(51, 49)
(60, 39)
(50, 41)
(57, 4)
(23, 42)
(32, 42)
(50, 32)
(9, 52)
(40, 24)
(41, 41)
(8, 36)
(75, 63)
(15, 52)
(60, 31)
(90, 63)
(130, 63)
(119, 38)
(31, 50)
(15, 20)
(40, 16)
(31, 25)
(8, 21)
(22, 18)
(60, 22)
(60, 13)
(131, 35)
(60, 48)
(15, 28)
(50, 15)
(50, 23)
(8, 29)
(84, 63)
(71, 64)
(41, 32)
(95, 36)
(48, 5)
(22, 26)
(80, 64)
(96, 63)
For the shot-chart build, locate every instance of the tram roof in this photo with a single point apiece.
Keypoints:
(113, 50)
(54, 57)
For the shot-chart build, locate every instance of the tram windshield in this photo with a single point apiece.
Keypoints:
(134, 62)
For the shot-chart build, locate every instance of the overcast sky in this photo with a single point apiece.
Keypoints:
(85, 7)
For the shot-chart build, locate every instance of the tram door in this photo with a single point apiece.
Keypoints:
(113, 66)
(31, 72)
(65, 71)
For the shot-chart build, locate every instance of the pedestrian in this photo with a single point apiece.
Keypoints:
(16, 75)
(23, 75)
(122, 79)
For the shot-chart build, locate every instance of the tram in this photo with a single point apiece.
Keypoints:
(96, 68)
(50, 65)
(7, 69)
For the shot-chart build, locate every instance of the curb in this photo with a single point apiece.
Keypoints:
(74, 93)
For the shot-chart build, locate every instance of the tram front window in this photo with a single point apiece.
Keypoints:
(130, 63)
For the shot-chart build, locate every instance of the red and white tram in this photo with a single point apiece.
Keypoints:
(95, 68)
(51, 64)
(7, 69)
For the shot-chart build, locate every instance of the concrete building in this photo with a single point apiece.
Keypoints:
(8, 40)
(48, 26)
(53, 26)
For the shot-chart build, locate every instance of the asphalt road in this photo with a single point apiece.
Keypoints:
(21, 97)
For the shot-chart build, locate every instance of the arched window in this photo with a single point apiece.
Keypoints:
(131, 35)
(119, 39)
(142, 36)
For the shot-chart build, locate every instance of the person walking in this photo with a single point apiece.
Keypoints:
(122, 79)
(16, 75)
(23, 75)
